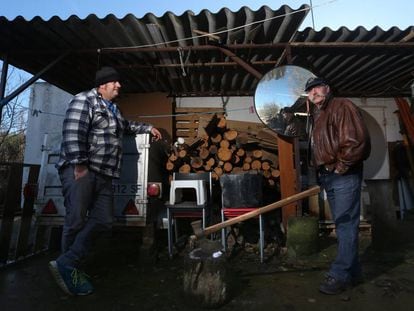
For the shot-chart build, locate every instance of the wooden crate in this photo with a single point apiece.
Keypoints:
(186, 121)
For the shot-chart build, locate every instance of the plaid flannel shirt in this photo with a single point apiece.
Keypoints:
(92, 134)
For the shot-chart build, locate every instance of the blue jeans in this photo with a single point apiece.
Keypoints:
(344, 197)
(89, 212)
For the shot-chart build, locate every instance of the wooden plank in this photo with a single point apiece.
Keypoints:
(27, 213)
(186, 133)
(267, 135)
(42, 237)
(329, 225)
(251, 127)
(189, 118)
(196, 109)
(196, 117)
(287, 176)
(11, 202)
(202, 123)
(258, 133)
(186, 125)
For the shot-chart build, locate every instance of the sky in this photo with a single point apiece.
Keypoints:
(329, 13)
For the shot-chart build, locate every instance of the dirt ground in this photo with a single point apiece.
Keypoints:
(128, 276)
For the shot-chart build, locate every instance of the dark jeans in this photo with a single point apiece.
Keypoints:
(344, 197)
(89, 212)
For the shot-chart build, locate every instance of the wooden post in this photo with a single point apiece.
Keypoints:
(11, 204)
(288, 176)
(30, 193)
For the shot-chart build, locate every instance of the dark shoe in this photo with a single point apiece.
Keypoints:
(332, 286)
(71, 280)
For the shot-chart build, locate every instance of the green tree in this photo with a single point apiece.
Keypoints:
(12, 147)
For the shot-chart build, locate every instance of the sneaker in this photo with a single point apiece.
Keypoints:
(332, 286)
(71, 280)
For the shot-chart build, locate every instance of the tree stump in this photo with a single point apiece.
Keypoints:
(302, 236)
(207, 275)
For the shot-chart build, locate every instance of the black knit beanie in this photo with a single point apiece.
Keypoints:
(105, 75)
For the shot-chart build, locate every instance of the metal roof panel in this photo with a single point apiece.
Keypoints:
(180, 54)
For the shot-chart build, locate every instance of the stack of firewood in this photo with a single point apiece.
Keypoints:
(223, 150)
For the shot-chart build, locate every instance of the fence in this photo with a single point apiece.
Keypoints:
(17, 224)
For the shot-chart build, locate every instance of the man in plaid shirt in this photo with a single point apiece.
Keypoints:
(90, 158)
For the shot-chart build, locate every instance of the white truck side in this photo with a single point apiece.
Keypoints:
(47, 109)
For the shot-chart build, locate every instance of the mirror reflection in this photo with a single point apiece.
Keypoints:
(280, 100)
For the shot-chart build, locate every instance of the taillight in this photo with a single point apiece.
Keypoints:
(49, 208)
(154, 190)
(130, 208)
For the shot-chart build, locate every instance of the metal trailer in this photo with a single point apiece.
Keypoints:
(130, 191)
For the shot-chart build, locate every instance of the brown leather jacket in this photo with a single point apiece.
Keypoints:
(340, 138)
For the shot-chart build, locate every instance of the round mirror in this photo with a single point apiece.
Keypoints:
(280, 100)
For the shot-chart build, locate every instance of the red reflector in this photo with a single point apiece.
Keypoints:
(49, 208)
(130, 208)
(153, 190)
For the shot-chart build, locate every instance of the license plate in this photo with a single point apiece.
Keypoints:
(127, 189)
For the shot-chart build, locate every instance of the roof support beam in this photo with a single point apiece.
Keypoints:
(241, 62)
(3, 80)
(111, 50)
(195, 65)
(4, 101)
(264, 46)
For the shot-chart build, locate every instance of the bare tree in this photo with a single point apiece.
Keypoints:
(13, 122)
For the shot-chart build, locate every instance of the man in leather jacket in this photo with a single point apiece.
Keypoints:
(340, 143)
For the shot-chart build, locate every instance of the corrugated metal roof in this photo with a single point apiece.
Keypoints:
(170, 54)
(365, 62)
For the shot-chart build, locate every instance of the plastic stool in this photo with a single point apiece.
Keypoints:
(197, 185)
